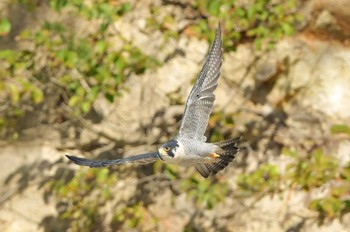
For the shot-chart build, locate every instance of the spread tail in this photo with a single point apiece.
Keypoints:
(227, 154)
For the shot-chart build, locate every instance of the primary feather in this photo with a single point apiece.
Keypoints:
(140, 159)
(201, 99)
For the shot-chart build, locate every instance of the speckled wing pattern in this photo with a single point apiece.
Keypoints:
(201, 98)
(139, 159)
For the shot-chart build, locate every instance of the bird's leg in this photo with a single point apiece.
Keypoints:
(214, 155)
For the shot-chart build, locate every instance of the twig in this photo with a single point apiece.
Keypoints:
(4, 107)
(85, 124)
(150, 178)
(9, 194)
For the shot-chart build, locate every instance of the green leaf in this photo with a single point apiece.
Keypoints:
(37, 95)
(289, 152)
(93, 92)
(214, 7)
(73, 101)
(5, 27)
(345, 173)
(103, 74)
(85, 106)
(104, 26)
(240, 12)
(287, 28)
(258, 43)
(120, 64)
(109, 97)
(58, 4)
(102, 175)
(340, 128)
(126, 7)
(8, 55)
(72, 86)
(101, 46)
(14, 93)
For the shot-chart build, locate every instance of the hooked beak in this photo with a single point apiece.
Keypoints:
(160, 153)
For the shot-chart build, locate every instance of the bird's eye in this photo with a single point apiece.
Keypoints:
(166, 148)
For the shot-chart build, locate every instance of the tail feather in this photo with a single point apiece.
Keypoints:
(227, 154)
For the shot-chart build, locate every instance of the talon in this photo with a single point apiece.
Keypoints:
(214, 155)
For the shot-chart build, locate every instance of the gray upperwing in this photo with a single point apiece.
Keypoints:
(140, 159)
(201, 98)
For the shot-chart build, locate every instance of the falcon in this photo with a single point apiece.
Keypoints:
(189, 147)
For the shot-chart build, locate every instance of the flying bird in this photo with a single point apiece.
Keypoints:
(189, 146)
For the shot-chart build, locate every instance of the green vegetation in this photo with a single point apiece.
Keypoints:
(66, 67)
(307, 173)
(5, 27)
(262, 22)
(220, 125)
(131, 215)
(205, 193)
(264, 180)
(79, 67)
(341, 129)
(82, 198)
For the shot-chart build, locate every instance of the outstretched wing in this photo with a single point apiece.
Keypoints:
(140, 159)
(201, 99)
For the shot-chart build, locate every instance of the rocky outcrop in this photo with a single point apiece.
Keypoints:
(290, 96)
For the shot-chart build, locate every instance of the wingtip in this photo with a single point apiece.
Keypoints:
(76, 160)
(219, 28)
(90, 163)
(72, 158)
(218, 35)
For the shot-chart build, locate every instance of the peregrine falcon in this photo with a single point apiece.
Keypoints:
(189, 147)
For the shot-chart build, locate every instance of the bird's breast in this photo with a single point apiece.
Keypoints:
(191, 152)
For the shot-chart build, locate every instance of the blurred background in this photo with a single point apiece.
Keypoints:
(109, 79)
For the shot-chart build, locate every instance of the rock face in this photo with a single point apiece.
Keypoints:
(24, 165)
(317, 70)
(149, 95)
(289, 96)
(329, 20)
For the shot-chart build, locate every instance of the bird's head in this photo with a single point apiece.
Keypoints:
(168, 150)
